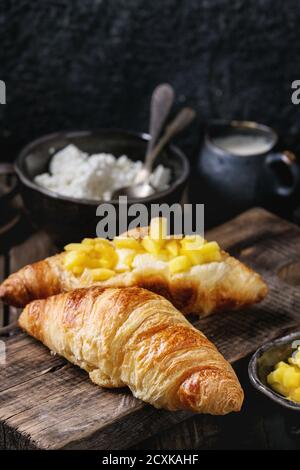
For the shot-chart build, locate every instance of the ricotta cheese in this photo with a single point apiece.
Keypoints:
(76, 174)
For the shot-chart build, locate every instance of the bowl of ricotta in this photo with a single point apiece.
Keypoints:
(66, 176)
(95, 176)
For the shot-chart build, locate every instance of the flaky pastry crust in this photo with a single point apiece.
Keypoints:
(136, 338)
(204, 289)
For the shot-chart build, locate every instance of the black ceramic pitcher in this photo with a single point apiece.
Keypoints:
(239, 167)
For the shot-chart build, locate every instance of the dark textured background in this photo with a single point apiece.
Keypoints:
(80, 64)
(93, 63)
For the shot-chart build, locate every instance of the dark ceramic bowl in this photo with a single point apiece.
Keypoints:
(8, 184)
(263, 362)
(68, 219)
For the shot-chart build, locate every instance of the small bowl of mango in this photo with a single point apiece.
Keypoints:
(274, 370)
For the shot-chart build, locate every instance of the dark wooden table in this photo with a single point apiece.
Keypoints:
(273, 247)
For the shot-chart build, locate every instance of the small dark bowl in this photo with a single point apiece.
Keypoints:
(68, 219)
(8, 184)
(263, 362)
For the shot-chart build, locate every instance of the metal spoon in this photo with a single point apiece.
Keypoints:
(144, 188)
(161, 103)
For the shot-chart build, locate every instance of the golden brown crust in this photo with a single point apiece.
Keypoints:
(35, 281)
(133, 337)
(205, 289)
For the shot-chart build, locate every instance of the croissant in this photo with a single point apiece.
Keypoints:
(220, 282)
(136, 338)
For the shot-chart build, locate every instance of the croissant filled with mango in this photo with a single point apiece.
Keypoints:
(195, 275)
(136, 338)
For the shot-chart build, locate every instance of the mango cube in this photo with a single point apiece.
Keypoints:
(281, 365)
(179, 264)
(74, 258)
(129, 259)
(102, 241)
(194, 256)
(107, 255)
(209, 248)
(285, 379)
(279, 388)
(158, 229)
(192, 242)
(291, 378)
(101, 274)
(212, 257)
(151, 246)
(77, 270)
(88, 241)
(172, 247)
(130, 243)
(77, 247)
(91, 254)
(163, 255)
(295, 395)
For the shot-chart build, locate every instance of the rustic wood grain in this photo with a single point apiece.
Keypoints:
(47, 403)
(248, 229)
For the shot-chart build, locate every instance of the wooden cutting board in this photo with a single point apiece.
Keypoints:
(47, 403)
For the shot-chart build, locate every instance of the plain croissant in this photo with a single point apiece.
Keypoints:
(204, 289)
(136, 338)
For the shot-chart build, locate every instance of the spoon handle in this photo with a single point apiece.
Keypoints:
(182, 120)
(161, 103)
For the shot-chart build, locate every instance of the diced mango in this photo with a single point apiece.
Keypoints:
(282, 365)
(98, 263)
(158, 229)
(194, 256)
(77, 247)
(163, 255)
(102, 241)
(210, 247)
(172, 247)
(291, 378)
(107, 256)
(88, 241)
(77, 270)
(151, 246)
(75, 258)
(295, 395)
(211, 257)
(129, 259)
(98, 253)
(279, 388)
(130, 243)
(101, 274)
(100, 247)
(274, 377)
(198, 251)
(285, 379)
(192, 242)
(179, 264)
